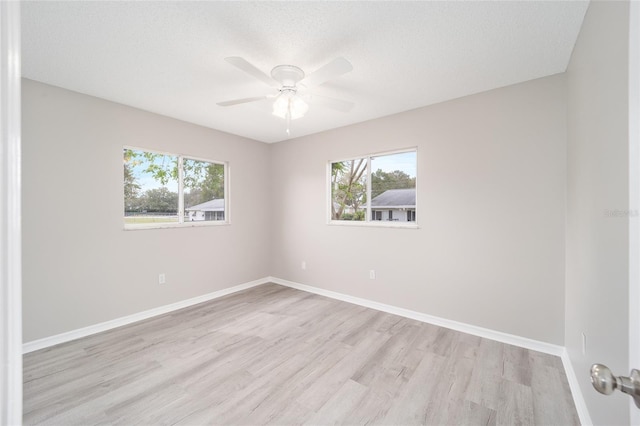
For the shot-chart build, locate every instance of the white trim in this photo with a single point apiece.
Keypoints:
(415, 208)
(227, 192)
(181, 190)
(634, 197)
(367, 217)
(576, 392)
(378, 154)
(177, 225)
(499, 336)
(174, 154)
(119, 322)
(329, 194)
(374, 224)
(10, 226)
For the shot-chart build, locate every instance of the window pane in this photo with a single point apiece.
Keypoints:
(150, 187)
(349, 189)
(393, 186)
(203, 191)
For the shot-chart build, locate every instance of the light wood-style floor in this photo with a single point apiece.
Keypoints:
(275, 355)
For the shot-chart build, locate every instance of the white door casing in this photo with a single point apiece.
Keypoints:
(10, 234)
(634, 197)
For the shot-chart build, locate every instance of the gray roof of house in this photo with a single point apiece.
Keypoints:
(216, 205)
(395, 198)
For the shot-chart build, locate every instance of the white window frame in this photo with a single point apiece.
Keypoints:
(181, 222)
(367, 218)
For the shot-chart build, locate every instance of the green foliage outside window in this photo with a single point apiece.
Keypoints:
(151, 186)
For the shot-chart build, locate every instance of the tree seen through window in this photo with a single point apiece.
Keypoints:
(153, 194)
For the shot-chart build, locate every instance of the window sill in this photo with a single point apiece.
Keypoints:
(375, 224)
(141, 226)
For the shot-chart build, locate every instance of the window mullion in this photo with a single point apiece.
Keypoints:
(368, 218)
(180, 190)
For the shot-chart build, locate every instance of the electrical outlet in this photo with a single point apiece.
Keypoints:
(304, 265)
(162, 279)
(372, 274)
(584, 344)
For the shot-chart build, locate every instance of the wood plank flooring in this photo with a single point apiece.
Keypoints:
(275, 355)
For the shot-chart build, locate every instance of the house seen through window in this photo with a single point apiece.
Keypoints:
(162, 189)
(376, 188)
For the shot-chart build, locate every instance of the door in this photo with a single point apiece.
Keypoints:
(604, 380)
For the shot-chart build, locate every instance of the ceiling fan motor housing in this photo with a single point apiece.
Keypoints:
(288, 75)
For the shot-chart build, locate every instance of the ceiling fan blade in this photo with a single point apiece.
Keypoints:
(252, 70)
(333, 69)
(337, 104)
(242, 101)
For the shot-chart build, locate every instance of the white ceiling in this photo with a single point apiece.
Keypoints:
(168, 57)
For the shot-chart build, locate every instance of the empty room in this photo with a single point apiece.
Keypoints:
(247, 213)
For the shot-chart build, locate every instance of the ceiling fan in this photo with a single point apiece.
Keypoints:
(290, 81)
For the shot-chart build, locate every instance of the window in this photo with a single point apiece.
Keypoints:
(381, 187)
(172, 190)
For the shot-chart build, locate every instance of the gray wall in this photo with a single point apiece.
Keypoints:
(489, 251)
(491, 210)
(597, 281)
(80, 266)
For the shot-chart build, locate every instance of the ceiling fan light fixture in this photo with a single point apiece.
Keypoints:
(288, 105)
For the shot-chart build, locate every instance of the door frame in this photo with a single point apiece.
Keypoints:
(10, 228)
(634, 197)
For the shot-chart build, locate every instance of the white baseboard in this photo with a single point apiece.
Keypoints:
(499, 336)
(119, 322)
(576, 391)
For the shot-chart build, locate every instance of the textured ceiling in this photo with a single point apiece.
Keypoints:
(168, 57)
